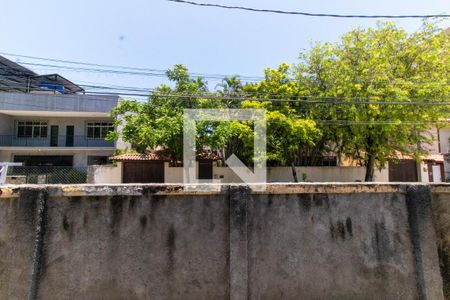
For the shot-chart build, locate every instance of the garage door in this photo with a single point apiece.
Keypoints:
(143, 172)
(403, 171)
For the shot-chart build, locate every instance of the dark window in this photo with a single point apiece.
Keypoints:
(32, 129)
(99, 130)
(97, 160)
(44, 160)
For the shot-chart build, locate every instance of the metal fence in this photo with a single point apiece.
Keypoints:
(45, 175)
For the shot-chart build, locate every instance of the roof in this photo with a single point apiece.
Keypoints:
(149, 156)
(208, 155)
(16, 78)
(56, 79)
(433, 157)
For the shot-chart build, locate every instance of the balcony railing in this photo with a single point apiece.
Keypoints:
(56, 141)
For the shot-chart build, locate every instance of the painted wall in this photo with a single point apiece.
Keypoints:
(432, 148)
(444, 135)
(6, 124)
(102, 174)
(274, 174)
(304, 241)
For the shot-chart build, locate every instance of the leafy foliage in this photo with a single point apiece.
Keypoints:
(347, 86)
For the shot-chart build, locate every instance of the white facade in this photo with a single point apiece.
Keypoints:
(65, 119)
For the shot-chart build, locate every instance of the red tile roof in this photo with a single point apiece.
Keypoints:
(140, 156)
(208, 155)
(157, 155)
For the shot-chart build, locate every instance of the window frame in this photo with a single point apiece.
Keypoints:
(99, 129)
(35, 129)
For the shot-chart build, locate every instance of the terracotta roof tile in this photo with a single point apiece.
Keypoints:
(157, 155)
(140, 157)
(208, 155)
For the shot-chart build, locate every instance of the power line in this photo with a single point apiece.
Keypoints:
(142, 89)
(300, 101)
(307, 99)
(141, 70)
(112, 71)
(323, 121)
(77, 69)
(311, 14)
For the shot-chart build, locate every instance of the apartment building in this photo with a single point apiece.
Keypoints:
(46, 120)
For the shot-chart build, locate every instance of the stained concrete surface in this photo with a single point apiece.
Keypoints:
(158, 242)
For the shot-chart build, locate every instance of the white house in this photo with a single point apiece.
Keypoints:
(46, 120)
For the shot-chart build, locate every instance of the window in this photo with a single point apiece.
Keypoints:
(33, 129)
(99, 130)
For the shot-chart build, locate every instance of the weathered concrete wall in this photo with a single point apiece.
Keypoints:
(296, 241)
(441, 208)
(57, 103)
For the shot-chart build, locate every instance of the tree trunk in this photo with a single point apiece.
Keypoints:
(294, 172)
(370, 168)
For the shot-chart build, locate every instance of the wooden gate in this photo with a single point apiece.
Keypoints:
(143, 172)
(404, 170)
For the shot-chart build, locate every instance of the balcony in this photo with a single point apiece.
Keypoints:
(55, 141)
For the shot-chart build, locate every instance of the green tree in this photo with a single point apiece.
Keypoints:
(289, 133)
(158, 122)
(369, 97)
(375, 66)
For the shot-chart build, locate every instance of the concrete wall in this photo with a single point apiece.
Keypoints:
(284, 174)
(103, 174)
(297, 241)
(441, 208)
(433, 147)
(447, 167)
(422, 172)
(274, 174)
(6, 124)
(444, 136)
(325, 174)
(57, 103)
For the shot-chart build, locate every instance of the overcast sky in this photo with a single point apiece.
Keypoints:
(158, 34)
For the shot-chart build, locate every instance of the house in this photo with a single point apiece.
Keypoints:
(152, 167)
(47, 120)
(431, 167)
(155, 168)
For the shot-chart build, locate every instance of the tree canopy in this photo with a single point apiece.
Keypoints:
(369, 97)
